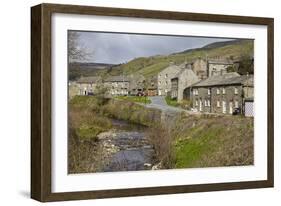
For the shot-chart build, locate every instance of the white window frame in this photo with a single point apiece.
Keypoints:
(195, 91)
(209, 91)
(223, 90)
(209, 103)
(236, 104)
(205, 103)
(218, 104)
(218, 90)
(235, 90)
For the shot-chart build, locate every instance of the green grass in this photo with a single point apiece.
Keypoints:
(188, 152)
(140, 99)
(196, 141)
(171, 102)
(89, 132)
(214, 141)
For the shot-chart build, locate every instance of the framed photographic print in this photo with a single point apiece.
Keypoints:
(132, 102)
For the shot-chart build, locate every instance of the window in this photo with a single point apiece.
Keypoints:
(159, 82)
(209, 103)
(166, 83)
(195, 91)
(223, 90)
(236, 104)
(196, 102)
(218, 91)
(209, 91)
(235, 90)
(166, 76)
(218, 104)
(205, 102)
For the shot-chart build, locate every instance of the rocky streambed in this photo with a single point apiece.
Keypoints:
(126, 148)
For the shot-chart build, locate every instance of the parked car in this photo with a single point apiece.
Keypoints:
(90, 93)
(236, 111)
(140, 94)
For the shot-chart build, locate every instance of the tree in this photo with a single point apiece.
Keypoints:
(77, 51)
(246, 65)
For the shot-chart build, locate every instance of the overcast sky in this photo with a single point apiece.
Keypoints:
(118, 48)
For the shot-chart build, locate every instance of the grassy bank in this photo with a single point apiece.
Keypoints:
(184, 104)
(140, 99)
(88, 117)
(204, 141)
(171, 102)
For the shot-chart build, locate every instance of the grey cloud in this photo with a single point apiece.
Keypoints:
(119, 48)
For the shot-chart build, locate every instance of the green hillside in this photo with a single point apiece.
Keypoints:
(149, 66)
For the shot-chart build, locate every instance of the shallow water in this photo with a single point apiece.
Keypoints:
(133, 149)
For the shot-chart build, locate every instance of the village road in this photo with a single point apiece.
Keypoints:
(159, 102)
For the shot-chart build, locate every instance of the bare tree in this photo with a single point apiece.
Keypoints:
(76, 50)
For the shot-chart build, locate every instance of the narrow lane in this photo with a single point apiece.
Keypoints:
(159, 102)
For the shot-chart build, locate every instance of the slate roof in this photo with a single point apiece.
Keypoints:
(190, 72)
(232, 78)
(117, 79)
(219, 61)
(89, 80)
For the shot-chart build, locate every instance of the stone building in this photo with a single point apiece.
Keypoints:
(137, 83)
(218, 66)
(151, 85)
(85, 85)
(117, 85)
(200, 68)
(222, 93)
(183, 79)
(164, 79)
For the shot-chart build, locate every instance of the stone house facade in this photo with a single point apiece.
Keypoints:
(200, 68)
(86, 85)
(164, 79)
(205, 68)
(185, 78)
(117, 85)
(136, 84)
(218, 67)
(151, 86)
(222, 94)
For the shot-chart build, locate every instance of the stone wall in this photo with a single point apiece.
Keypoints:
(186, 78)
(200, 68)
(164, 79)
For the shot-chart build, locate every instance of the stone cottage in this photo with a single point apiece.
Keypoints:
(164, 79)
(183, 79)
(117, 85)
(151, 86)
(200, 68)
(218, 66)
(222, 93)
(137, 82)
(87, 85)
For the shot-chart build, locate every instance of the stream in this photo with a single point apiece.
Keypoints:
(125, 148)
